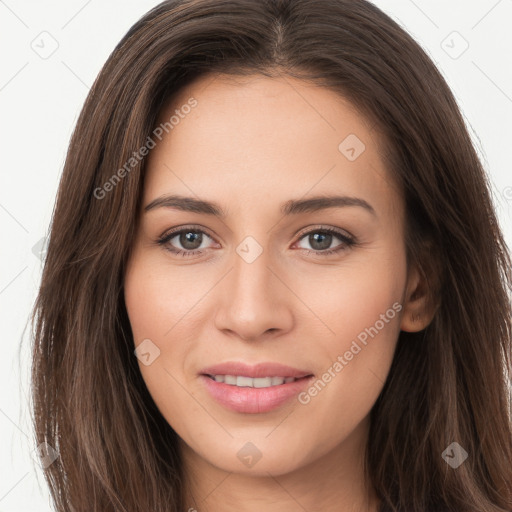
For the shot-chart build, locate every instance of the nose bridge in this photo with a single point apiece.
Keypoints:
(251, 301)
(251, 278)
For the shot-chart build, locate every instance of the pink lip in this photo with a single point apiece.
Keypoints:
(254, 371)
(254, 400)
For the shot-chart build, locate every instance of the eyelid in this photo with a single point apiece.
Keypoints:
(347, 239)
(179, 229)
(321, 227)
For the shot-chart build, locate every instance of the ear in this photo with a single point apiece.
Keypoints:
(418, 311)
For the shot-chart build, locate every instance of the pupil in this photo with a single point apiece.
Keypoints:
(190, 238)
(324, 240)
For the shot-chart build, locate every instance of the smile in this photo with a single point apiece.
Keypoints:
(250, 382)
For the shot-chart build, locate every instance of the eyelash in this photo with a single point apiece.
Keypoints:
(347, 241)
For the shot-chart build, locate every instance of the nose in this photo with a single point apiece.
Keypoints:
(254, 301)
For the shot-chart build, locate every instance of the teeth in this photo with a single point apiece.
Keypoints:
(230, 379)
(259, 382)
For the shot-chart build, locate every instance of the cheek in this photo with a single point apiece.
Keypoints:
(361, 307)
(158, 298)
(351, 297)
(151, 312)
(358, 302)
(163, 306)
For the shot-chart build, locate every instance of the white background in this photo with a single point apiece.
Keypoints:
(40, 99)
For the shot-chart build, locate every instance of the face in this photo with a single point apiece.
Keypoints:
(266, 307)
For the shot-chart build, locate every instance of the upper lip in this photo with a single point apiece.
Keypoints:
(258, 370)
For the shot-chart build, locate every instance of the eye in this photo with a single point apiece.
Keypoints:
(320, 240)
(190, 241)
(185, 241)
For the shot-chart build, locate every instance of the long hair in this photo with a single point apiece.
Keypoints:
(448, 383)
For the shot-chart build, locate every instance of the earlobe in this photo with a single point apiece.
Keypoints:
(417, 311)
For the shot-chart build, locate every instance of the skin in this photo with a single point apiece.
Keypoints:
(247, 139)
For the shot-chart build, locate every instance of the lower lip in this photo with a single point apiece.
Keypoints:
(254, 400)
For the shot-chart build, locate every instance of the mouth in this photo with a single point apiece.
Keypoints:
(254, 389)
(243, 381)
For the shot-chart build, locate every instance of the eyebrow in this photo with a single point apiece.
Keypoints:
(291, 207)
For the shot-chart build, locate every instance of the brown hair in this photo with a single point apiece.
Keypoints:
(449, 382)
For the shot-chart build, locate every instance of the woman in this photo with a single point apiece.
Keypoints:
(342, 344)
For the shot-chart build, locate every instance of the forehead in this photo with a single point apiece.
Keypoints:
(254, 137)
